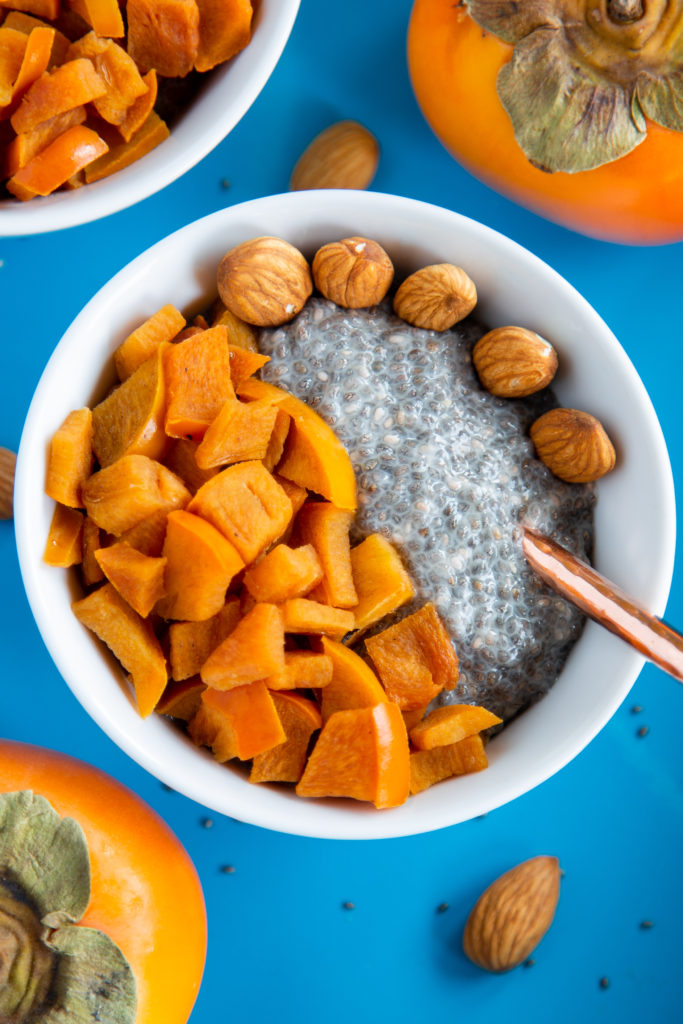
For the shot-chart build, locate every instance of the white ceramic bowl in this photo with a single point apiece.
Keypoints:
(226, 96)
(635, 522)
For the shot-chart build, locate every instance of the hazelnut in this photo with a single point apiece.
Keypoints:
(355, 272)
(436, 297)
(265, 281)
(573, 445)
(345, 155)
(513, 362)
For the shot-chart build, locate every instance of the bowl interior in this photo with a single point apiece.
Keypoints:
(228, 93)
(635, 520)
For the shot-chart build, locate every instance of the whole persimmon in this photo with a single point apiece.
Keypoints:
(573, 108)
(102, 915)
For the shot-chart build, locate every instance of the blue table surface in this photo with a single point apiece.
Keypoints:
(281, 944)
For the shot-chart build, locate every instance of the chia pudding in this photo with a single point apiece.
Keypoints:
(446, 471)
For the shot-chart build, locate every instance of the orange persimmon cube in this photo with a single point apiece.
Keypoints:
(311, 617)
(191, 643)
(284, 573)
(200, 564)
(130, 638)
(246, 505)
(41, 8)
(151, 134)
(132, 488)
(130, 421)
(381, 580)
(27, 22)
(363, 754)
(240, 432)
(198, 381)
(285, 763)
(414, 658)
(65, 87)
(297, 495)
(139, 111)
(26, 145)
(54, 165)
(224, 30)
(12, 49)
(180, 457)
(34, 63)
(242, 722)
(103, 16)
(124, 82)
(415, 715)
(148, 535)
(144, 341)
(451, 724)
(69, 462)
(278, 439)
(138, 578)
(92, 542)
(462, 758)
(163, 34)
(353, 683)
(64, 540)
(254, 650)
(326, 527)
(304, 670)
(240, 334)
(243, 362)
(181, 699)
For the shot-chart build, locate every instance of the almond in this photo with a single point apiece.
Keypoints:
(353, 273)
(512, 362)
(345, 155)
(7, 463)
(435, 297)
(573, 445)
(511, 917)
(265, 281)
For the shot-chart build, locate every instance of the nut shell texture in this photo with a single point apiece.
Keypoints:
(264, 281)
(511, 917)
(353, 273)
(573, 445)
(345, 155)
(436, 297)
(512, 362)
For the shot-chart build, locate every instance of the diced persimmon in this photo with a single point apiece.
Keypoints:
(462, 758)
(130, 421)
(246, 505)
(65, 87)
(353, 683)
(241, 723)
(69, 462)
(381, 580)
(181, 700)
(363, 754)
(297, 495)
(278, 438)
(415, 715)
(103, 16)
(224, 30)
(181, 459)
(191, 643)
(326, 527)
(240, 432)
(13, 45)
(64, 540)
(284, 573)
(139, 111)
(199, 383)
(152, 133)
(35, 62)
(117, 69)
(144, 341)
(27, 22)
(130, 638)
(243, 361)
(163, 34)
(92, 542)
(311, 617)
(254, 650)
(314, 457)
(148, 535)
(132, 488)
(53, 166)
(200, 566)
(451, 724)
(26, 145)
(304, 670)
(414, 658)
(285, 763)
(41, 8)
(138, 578)
(240, 334)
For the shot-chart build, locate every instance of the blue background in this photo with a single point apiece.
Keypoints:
(281, 944)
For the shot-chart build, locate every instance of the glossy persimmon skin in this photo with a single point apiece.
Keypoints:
(453, 65)
(145, 891)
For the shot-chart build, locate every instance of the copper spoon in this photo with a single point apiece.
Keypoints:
(604, 602)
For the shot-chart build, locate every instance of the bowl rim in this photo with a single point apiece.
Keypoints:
(250, 69)
(358, 824)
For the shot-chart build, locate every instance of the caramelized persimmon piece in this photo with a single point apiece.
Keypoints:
(297, 495)
(130, 421)
(65, 87)
(462, 758)
(117, 69)
(153, 132)
(181, 459)
(12, 49)
(326, 527)
(200, 566)
(382, 583)
(26, 145)
(304, 670)
(148, 535)
(243, 361)
(163, 34)
(48, 9)
(224, 30)
(132, 488)
(311, 617)
(254, 650)
(362, 754)
(451, 724)
(64, 539)
(103, 16)
(240, 334)
(69, 461)
(92, 542)
(34, 63)
(181, 699)
(415, 715)
(139, 111)
(285, 763)
(191, 643)
(53, 166)
(138, 578)
(199, 383)
(278, 439)
(240, 432)
(242, 722)
(144, 341)
(414, 658)
(353, 683)
(27, 22)
(284, 573)
(130, 638)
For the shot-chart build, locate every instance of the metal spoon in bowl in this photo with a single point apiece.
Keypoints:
(604, 602)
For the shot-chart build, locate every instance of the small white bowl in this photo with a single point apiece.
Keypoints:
(634, 520)
(225, 97)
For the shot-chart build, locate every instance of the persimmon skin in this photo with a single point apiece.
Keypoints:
(145, 892)
(453, 64)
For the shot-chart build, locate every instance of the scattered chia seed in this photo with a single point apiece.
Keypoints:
(225, 183)
(636, 709)
(646, 925)
(604, 982)
(643, 731)
(207, 822)
(529, 963)
(442, 908)
(348, 906)
(228, 869)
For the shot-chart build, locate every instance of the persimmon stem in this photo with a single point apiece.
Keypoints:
(625, 11)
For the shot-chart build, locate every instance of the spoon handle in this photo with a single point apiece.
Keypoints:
(604, 602)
